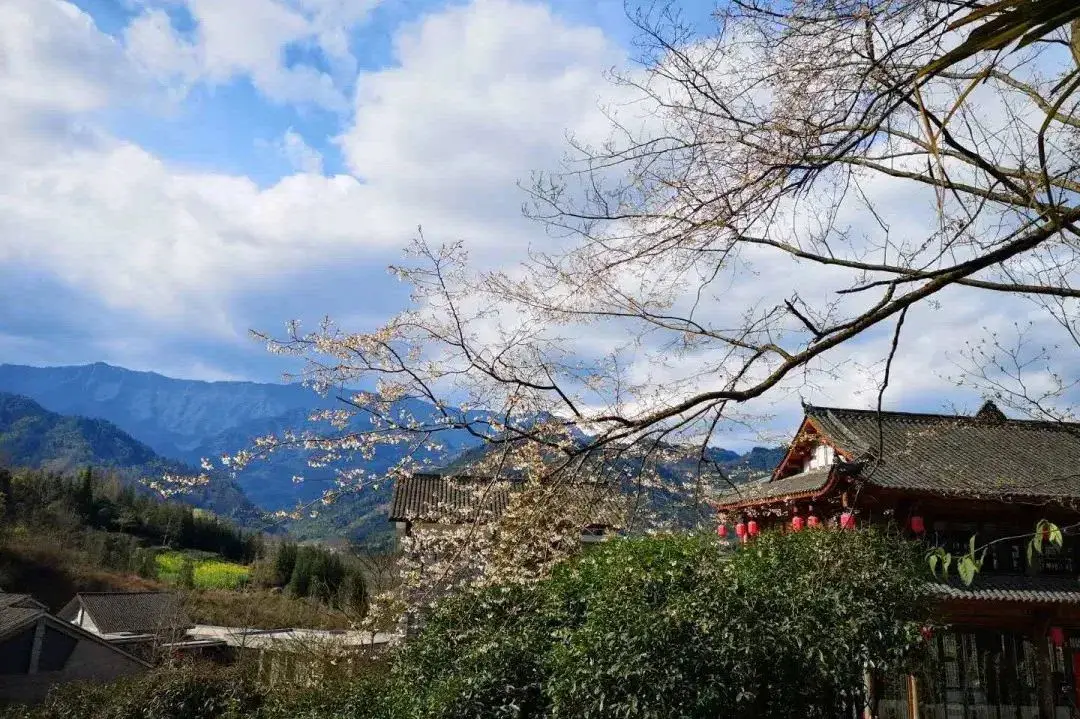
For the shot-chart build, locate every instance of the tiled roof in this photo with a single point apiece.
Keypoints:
(130, 612)
(19, 600)
(426, 496)
(15, 616)
(799, 485)
(982, 456)
(1042, 589)
(457, 499)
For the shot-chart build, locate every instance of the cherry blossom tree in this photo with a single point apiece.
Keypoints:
(778, 183)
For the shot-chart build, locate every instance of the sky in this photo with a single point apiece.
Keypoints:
(176, 173)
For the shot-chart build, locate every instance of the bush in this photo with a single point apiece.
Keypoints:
(676, 627)
(363, 698)
(177, 693)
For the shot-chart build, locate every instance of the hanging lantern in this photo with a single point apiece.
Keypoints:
(740, 530)
(797, 523)
(847, 520)
(721, 530)
(917, 524)
(813, 521)
(752, 528)
(927, 633)
(1057, 636)
(1046, 533)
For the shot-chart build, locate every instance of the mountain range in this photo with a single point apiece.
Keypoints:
(186, 420)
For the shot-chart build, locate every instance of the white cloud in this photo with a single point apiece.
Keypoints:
(250, 38)
(481, 95)
(439, 140)
(54, 67)
(299, 154)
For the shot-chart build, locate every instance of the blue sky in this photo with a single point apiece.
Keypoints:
(178, 172)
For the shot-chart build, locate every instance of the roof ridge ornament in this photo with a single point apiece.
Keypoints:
(990, 413)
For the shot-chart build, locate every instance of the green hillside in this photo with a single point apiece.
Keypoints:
(32, 436)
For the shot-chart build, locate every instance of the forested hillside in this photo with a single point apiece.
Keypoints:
(32, 436)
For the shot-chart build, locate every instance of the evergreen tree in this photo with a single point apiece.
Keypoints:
(300, 581)
(7, 504)
(84, 494)
(353, 593)
(284, 563)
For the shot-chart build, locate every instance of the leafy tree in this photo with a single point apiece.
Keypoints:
(5, 491)
(300, 581)
(354, 592)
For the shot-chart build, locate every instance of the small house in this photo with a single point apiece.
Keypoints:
(39, 651)
(139, 621)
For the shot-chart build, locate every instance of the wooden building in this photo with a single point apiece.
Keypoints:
(1012, 644)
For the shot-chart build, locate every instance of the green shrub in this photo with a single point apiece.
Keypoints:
(174, 693)
(676, 627)
(362, 698)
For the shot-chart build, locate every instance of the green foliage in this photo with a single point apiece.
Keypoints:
(676, 627)
(643, 628)
(361, 698)
(185, 578)
(52, 499)
(970, 563)
(183, 693)
(284, 563)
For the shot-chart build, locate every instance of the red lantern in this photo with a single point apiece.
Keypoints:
(917, 524)
(927, 633)
(1046, 534)
(721, 530)
(847, 520)
(740, 530)
(813, 521)
(752, 528)
(797, 523)
(1057, 636)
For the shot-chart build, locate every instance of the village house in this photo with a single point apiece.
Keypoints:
(440, 500)
(435, 503)
(139, 622)
(1011, 643)
(39, 651)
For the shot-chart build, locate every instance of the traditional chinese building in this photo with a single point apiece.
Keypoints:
(1012, 644)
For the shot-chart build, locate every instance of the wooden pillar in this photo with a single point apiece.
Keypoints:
(913, 696)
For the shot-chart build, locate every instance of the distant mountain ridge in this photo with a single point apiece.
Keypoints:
(185, 420)
(32, 436)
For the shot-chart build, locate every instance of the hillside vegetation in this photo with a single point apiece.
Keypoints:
(62, 534)
(31, 436)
